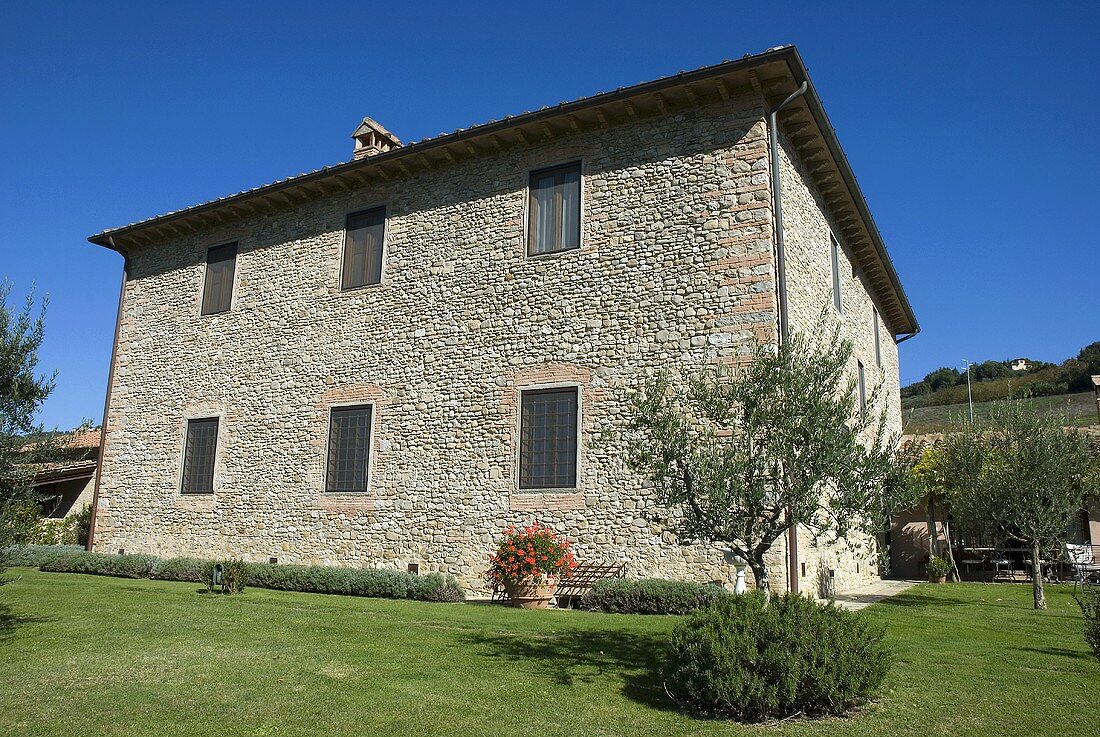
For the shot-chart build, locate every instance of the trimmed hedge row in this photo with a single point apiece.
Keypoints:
(651, 596)
(369, 582)
(32, 556)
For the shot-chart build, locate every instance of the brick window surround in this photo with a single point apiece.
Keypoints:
(200, 448)
(348, 452)
(548, 439)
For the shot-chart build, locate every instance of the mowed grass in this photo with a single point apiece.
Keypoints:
(83, 655)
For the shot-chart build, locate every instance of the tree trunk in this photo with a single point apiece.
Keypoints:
(760, 574)
(1037, 577)
(930, 522)
(950, 552)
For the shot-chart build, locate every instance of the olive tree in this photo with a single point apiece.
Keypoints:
(928, 489)
(1020, 474)
(22, 392)
(743, 456)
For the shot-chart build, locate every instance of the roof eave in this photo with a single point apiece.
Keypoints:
(817, 109)
(787, 56)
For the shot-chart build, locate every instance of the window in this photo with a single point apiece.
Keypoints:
(363, 248)
(548, 439)
(862, 379)
(836, 273)
(554, 221)
(217, 293)
(348, 449)
(878, 343)
(199, 450)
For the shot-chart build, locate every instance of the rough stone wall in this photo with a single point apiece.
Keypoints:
(675, 271)
(807, 227)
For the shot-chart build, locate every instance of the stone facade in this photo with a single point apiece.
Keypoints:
(675, 271)
(809, 231)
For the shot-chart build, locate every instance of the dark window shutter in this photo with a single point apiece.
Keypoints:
(554, 210)
(835, 256)
(217, 295)
(363, 240)
(548, 439)
(862, 389)
(878, 340)
(348, 449)
(199, 451)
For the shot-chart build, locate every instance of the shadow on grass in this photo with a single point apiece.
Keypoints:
(572, 657)
(9, 620)
(1061, 652)
(918, 601)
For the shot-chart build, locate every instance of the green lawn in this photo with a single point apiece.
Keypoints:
(81, 655)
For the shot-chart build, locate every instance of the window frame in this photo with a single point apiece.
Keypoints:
(834, 258)
(329, 410)
(546, 389)
(181, 485)
(384, 208)
(529, 208)
(206, 279)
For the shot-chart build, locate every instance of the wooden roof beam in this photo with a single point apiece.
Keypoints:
(692, 97)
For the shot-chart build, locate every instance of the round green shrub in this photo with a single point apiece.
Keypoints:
(1089, 601)
(752, 659)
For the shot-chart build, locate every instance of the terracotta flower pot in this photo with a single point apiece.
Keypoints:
(531, 594)
(938, 579)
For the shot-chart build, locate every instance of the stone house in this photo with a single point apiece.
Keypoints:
(66, 485)
(387, 361)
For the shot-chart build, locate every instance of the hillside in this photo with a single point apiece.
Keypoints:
(1079, 410)
(990, 380)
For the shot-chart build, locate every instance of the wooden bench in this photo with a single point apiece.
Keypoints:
(579, 580)
(575, 583)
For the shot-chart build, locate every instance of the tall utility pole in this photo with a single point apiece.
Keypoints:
(969, 394)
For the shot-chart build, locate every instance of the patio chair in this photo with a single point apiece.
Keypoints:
(1082, 559)
(1000, 561)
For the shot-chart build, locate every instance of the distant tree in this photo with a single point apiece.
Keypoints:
(1019, 474)
(744, 458)
(1077, 372)
(22, 393)
(944, 377)
(990, 371)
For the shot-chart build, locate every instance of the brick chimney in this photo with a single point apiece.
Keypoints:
(371, 138)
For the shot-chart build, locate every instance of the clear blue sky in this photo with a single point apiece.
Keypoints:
(970, 126)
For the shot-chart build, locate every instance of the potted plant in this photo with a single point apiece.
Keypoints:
(528, 562)
(938, 569)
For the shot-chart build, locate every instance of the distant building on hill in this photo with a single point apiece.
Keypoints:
(1021, 364)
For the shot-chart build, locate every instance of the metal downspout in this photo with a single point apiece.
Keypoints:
(781, 284)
